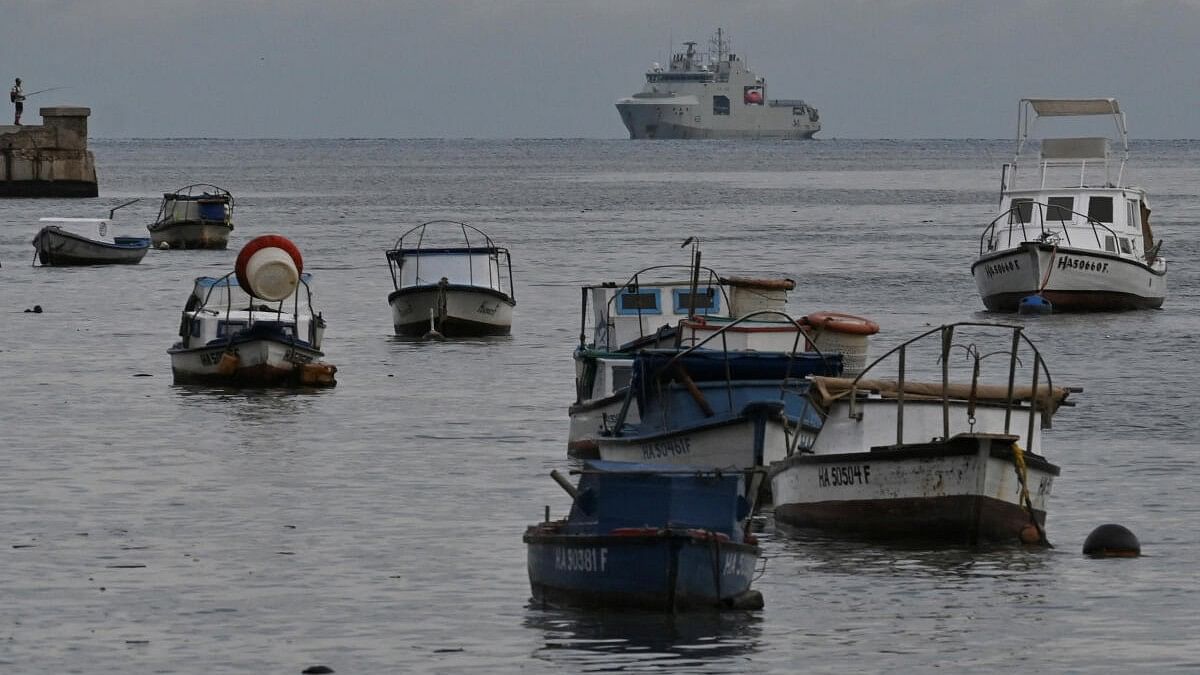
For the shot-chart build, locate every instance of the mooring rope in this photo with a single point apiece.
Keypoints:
(1026, 501)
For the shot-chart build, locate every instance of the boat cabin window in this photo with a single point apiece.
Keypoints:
(640, 302)
(1125, 247)
(1021, 211)
(197, 327)
(1110, 243)
(1100, 209)
(1060, 209)
(708, 301)
(227, 328)
(720, 105)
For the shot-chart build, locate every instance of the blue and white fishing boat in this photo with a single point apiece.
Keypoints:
(459, 290)
(645, 536)
(255, 326)
(664, 306)
(712, 407)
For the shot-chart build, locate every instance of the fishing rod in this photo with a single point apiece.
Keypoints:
(42, 91)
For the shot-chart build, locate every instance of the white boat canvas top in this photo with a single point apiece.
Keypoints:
(1088, 155)
(96, 229)
(460, 254)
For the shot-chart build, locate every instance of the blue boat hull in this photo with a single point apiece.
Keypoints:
(664, 570)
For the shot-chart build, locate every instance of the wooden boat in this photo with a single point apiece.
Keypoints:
(194, 216)
(255, 326)
(462, 290)
(85, 241)
(933, 459)
(651, 537)
(1080, 237)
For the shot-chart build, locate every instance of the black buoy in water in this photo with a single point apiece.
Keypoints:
(1034, 305)
(1112, 541)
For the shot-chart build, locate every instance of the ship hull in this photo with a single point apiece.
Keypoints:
(671, 120)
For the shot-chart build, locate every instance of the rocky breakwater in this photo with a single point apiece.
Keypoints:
(48, 160)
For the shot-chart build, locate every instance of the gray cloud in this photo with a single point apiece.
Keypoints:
(540, 68)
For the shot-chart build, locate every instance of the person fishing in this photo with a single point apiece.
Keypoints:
(17, 96)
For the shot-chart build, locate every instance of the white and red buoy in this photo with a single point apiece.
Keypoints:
(269, 267)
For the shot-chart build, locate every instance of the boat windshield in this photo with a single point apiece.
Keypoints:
(223, 294)
(474, 267)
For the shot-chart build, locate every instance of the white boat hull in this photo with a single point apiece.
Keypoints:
(966, 490)
(257, 362)
(730, 444)
(589, 420)
(1077, 279)
(456, 311)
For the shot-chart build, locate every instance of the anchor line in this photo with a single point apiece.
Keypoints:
(1049, 269)
(1026, 501)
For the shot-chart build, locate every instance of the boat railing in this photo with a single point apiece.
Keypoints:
(499, 260)
(192, 192)
(1023, 215)
(1011, 401)
(228, 282)
(632, 285)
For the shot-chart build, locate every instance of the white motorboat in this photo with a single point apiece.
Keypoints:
(462, 290)
(255, 326)
(1078, 237)
(933, 459)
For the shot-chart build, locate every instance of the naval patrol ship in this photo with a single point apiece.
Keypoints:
(712, 95)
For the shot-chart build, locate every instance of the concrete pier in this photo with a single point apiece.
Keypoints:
(48, 160)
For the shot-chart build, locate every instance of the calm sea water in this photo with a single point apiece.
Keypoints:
(376, 527)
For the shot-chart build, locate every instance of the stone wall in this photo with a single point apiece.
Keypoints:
(50, 160)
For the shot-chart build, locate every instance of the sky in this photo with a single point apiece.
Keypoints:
(554, 68)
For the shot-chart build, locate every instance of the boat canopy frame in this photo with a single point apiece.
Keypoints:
(1068, 151)
(229, 281)
(497, 256)
(194, 192)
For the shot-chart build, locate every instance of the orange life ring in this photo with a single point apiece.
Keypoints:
(841, 323)
(259, 243)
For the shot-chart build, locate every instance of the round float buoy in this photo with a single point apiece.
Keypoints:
(1035, 305)
(841, 323)
(1112, 541)
(269, 267)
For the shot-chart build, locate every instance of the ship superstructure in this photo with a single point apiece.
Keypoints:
(712, 94)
